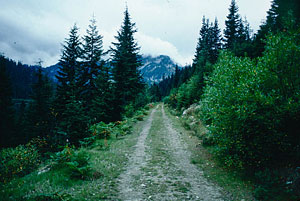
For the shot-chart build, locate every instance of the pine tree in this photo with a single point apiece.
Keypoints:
(176, 77)
(277, 18)
(71, 120)
(92, 64)
(215, 42)
(209, 44)
(243, 44)
(201, 49)
(103, 103)
(128, 82)
(232, 25)
(6, 107)
(69, 69)
(39, 120)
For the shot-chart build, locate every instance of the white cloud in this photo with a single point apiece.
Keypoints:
(156, 47)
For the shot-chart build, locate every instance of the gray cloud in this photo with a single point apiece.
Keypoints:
(34, 29)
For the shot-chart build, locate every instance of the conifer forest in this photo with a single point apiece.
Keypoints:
(226, 126)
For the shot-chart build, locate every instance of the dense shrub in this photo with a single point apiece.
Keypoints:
(76, 162)
(189, 92)
(253, 108)
(102, 130)
(18, 161)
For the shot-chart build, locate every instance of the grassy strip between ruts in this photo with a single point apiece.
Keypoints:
(107, 159)
(235, 186)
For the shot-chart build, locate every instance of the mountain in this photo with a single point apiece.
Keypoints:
(153, 69)
(51, 71)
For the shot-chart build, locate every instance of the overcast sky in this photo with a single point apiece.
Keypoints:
(35, 29)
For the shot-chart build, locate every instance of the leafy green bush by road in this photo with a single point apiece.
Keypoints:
(253, 108)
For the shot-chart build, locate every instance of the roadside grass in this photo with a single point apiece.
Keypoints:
(235, 186)
(108, 159)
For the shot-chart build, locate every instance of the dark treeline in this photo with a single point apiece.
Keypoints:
(21, 76)
(163, 88)
(89, 90)
(246, 90)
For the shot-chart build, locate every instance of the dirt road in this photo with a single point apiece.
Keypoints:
(160, 167)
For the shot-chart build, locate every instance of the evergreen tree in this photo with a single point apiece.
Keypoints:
(209, 44)
(6, 107)
(92, 64)
(243, 42)
(39, 119)
(201, 49)
(277, 20)
(103, 103)
(69, 69)
(237, 34)
(232, 25)
(176, 77)
(70, 116)
(125, 61)
(215, 42)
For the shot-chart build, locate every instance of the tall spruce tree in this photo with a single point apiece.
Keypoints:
(237, 33)
(201, 49)
(92, 64)
(6, 107)
(128, 82)
(232, 25)
(69, 69)
(70, 116)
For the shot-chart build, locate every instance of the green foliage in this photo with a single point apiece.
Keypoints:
(53, 197)
(129, 110)
(237, 33)
(209, 44)
(74, 126)
(102, 130)
(189, 92)
(39, 119)
(128, 82)
(252, 110)
(232, 25)
(75, 162)
(102, 108)
(70, 115)
(6, 106)
(18, 161)
(92, 70)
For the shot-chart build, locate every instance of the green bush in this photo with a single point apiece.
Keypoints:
(18, 161)
(252, 108)
(129, 110)
(122, 128)
(102, 130)
(75, 162)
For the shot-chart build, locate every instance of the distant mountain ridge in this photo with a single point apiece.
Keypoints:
(153, 70)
